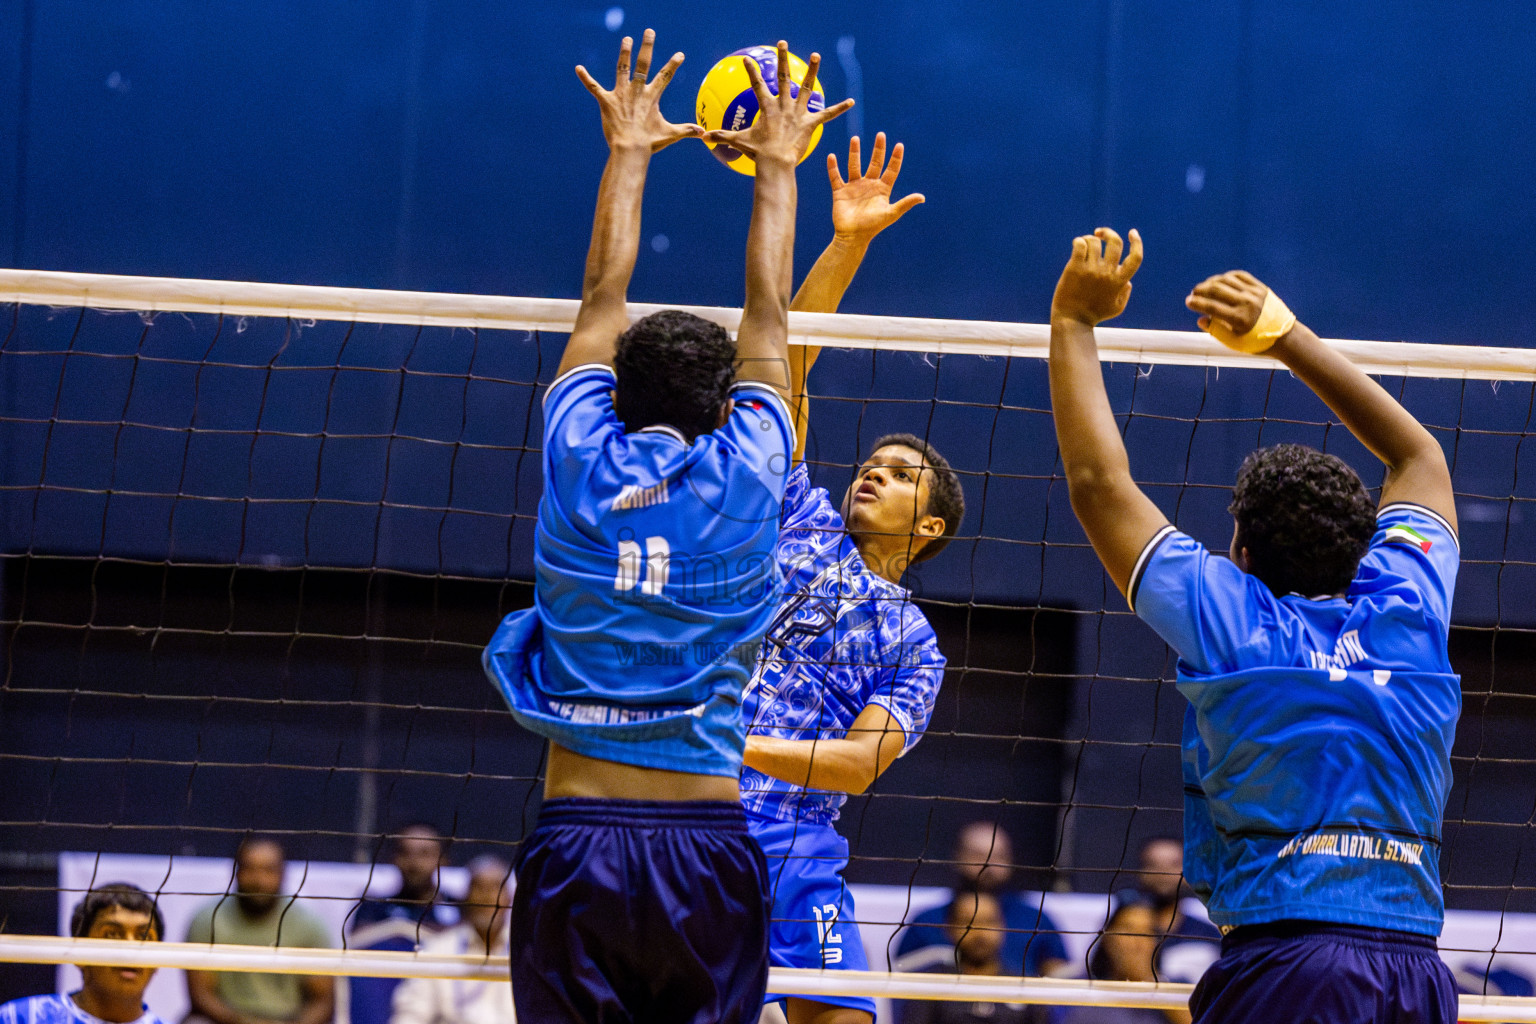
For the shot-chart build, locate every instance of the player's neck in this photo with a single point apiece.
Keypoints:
(115, 1009)
(885, 555)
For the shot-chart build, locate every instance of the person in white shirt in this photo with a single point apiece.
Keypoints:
(481, 931)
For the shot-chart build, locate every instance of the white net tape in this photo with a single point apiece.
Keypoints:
(836, 330)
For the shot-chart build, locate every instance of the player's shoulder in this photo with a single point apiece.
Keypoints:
(1415, 526)
(579, 379)
(42, 1009)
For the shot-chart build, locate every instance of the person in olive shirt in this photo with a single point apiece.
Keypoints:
(257, 914)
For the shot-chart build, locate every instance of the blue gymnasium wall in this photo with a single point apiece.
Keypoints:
(1371, 162)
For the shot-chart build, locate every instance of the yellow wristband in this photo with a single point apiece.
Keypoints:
(1275, 321)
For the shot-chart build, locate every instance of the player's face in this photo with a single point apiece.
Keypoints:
(110, 985)
(889, 495)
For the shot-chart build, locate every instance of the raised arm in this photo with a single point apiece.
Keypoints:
(634, 128)
(861, 209)
(775, 141)
(1243, 313)
(1118, 518)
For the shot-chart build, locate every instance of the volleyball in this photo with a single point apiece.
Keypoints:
(726, 99)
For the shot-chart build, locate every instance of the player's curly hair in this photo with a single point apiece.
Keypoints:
(675, 369)
(117, 894)
(946, 498)
(1305, 518)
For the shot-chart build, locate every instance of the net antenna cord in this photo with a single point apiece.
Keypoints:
(110, 292)
(48, 949)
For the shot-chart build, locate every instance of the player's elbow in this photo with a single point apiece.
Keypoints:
(1094, 485)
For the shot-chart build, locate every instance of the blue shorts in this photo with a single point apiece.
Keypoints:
(813, 919)
(1311, 972)
(635, 910)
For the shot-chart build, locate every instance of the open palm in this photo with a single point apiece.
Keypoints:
(861, 206)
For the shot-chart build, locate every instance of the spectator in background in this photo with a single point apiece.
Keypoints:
(1124, 952)
(1186, 945)
(258, 915)
(482, 932)
(400, 922)
(111, 994)
(974, 927)
(418, 852)
(983, 861)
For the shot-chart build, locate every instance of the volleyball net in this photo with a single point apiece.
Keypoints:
(253, 538)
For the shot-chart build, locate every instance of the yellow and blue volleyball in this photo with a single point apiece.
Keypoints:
(726, 99)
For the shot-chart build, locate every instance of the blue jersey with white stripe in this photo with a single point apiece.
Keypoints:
(843, 639)
(56, 1009)
(1317, 740)
(655, 580)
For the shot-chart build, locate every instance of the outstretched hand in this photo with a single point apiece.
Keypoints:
(1095, 285)
(632, 108)
(1236, 298)
(785, 122)
(861, 206)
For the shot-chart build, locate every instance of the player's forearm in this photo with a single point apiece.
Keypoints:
(823, 288)
(821, 292)
(762, 341)
(1364, 406)
(1092, 452)
(615, 238)
(839, 766)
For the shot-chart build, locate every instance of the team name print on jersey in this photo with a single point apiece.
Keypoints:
(1354, 845)
(1346, 652)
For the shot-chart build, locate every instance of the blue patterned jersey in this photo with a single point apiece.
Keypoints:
(56, 1009)
(842, 639)
(1318, 735)
(655, 580)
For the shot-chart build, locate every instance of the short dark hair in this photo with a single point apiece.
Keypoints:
(118, 894)
(946, 498)
(674, 369)
(1305, 518)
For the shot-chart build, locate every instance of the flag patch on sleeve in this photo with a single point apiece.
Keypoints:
(1408, 535)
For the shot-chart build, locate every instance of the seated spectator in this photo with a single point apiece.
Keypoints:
(418, 853)
(482, 932)
(984, 864)
(1186, 945)
(111, 994)
(974, 926)
(257, 914)
(1125, 952)
(399, 922)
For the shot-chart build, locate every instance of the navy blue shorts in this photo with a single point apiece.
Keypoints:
(635, 911)
(1308, 972)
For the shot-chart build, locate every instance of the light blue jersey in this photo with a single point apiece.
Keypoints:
(1318, 735)
(842, 639)
(56, 1009)
(655, 580)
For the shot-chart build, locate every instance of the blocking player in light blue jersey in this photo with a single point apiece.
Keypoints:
(1322, 705)
(850, 668)
(108, 995)
(640, 895)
